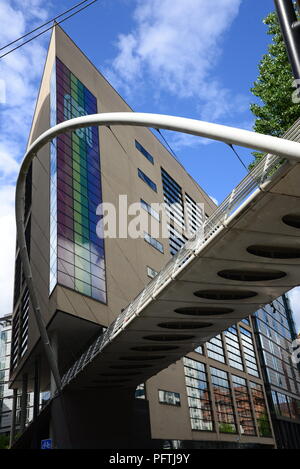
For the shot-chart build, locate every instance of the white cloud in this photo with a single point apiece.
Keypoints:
(178, 140)
(20, 71)
(174, 47)
(294, 296)
(7, 250)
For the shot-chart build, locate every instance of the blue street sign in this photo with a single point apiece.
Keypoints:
(46, 444)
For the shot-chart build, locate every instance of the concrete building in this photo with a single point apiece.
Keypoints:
(215, 396)
(6, 394)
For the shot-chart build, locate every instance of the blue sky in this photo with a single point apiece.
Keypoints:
(193, 58)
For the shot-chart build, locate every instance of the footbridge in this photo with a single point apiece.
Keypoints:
(246, 256)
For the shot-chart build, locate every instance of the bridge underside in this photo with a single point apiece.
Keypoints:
(250, 259)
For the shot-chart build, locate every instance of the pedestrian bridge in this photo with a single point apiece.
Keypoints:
(247, 255)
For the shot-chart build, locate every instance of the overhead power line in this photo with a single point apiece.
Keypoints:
(47, 29)
(42, 25)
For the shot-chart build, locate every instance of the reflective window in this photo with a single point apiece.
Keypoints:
(223, 401)
(76, 251)
(249, 352)
(156, 244)
(150, 210)
(147, 180)
(151, 272)
(169, 397)
(144, 152)
(140, 391)
(215, 349)
(260, 409)
(198, 395)
(242, 398)
(173, 203)
(233, 348)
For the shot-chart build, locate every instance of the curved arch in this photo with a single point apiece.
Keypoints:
(231, 135)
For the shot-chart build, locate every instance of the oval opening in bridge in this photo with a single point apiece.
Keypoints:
(292, 220)
(203, 311)
(275, 252)
(184, 325)
(225, 294)
(168, 337)
(251, 275)
(143, 357)
(155, 348)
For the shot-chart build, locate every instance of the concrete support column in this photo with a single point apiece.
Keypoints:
(13, 419)
(24, 402)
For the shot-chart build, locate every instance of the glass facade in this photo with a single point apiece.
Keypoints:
(273, 325)
(215, 349)
(260, 409)
(6, 394)
(249, 352)
(233, 346)
(223, 401)
(243, 404)
(198, 395)
(77, 258)
(195, 214)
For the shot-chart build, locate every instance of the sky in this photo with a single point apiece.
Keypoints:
(190, 58)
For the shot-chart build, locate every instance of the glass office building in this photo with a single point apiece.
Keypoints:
(275, 331)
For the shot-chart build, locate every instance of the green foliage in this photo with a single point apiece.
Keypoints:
(4, 441)
(226, 428)
(263, 425)
(277, 112)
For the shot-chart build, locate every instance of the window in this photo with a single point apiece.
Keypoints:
(260, 410)
(223, 400)
(195, 214)
(249, 352)
(150, 210)
(173, 199)
(77, 256)
(151, 272)
(215, 349)
(144, 152)
(147, 180)
(156, 244)
(169, 397)
(233, 348)
(140, 391)
(199, 350)
(241, 392)
(198, 395)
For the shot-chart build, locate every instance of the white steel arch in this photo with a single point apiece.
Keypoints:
(230, 135)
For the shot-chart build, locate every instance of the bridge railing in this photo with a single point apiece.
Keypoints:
(265, 170)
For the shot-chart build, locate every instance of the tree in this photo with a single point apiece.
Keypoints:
(4, 441)
(274, 87)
